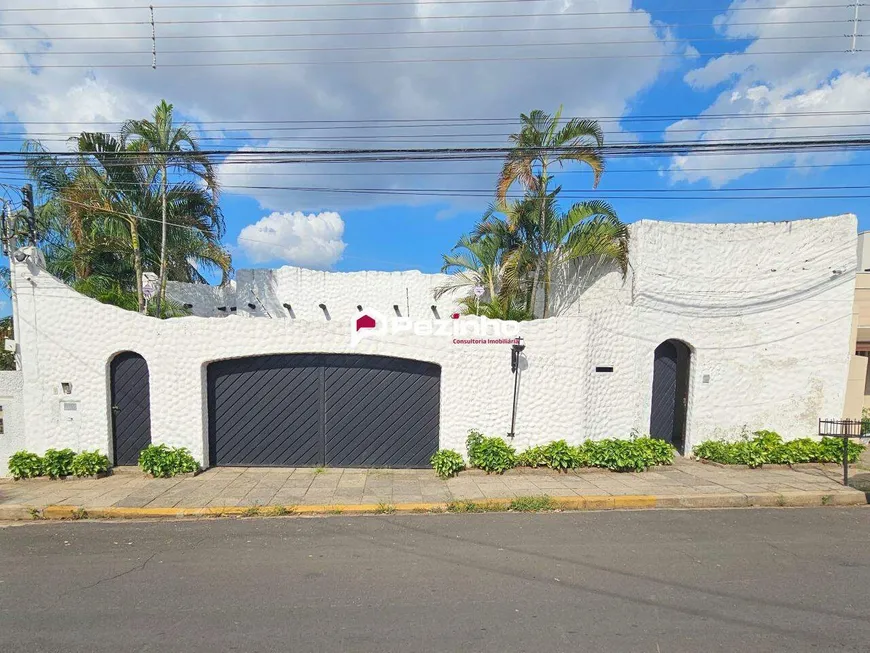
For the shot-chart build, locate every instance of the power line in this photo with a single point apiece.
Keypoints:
(446, 122)
(632, 148)
(299, 62)
(494, 30)
(563, 14)
(367, 3)
(458, 193)
(433, 173)
(434, 46)
(63, 137)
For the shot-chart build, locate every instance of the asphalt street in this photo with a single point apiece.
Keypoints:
(728, 580)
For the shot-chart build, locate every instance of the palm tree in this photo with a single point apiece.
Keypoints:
(473, 262)
(101, 221)
(541, 143)
(172, 148)
(589, 231)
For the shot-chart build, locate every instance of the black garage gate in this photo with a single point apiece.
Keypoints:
(306, 410)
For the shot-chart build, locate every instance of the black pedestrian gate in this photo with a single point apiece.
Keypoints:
(306, 410)
(131, 407)
(670, 393)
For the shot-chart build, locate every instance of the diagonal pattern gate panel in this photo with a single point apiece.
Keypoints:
(265, 411)
(131, 407)
(314, 409)
(381, 412)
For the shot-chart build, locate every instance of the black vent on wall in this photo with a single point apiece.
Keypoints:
(604, 368)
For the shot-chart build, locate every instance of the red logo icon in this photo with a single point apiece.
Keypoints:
(365, 322)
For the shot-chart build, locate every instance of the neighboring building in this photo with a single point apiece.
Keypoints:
(859, 372)
(716, 329)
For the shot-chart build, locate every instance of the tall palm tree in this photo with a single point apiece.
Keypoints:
(173, 148)
(542, 143)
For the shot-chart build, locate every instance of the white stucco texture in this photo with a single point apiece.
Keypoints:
(766, 309)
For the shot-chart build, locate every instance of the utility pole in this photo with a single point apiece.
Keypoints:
(855, 22)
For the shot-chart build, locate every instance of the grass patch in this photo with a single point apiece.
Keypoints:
(826, 499)
(278, 511)
(464, 506)
(79, 513)
(319, 470)
(385, 509)
(251, 511)
(336, 511)
(35, 513)
(533, 504)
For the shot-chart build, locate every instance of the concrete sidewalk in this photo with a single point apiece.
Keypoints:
(687, 483)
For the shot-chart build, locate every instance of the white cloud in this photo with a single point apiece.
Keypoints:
(765, 91)
(357, 89)
(306, 240)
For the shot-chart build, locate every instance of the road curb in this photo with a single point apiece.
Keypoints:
(794, 499)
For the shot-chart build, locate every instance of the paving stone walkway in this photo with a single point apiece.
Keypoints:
(224, 487)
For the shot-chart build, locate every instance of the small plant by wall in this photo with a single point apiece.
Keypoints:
(447, 463)
(163, 462)
(767, 448)
(57, 463)
(24, 464)
(90, 463)
(494, 455)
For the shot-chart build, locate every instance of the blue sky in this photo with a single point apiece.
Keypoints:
(681, 73)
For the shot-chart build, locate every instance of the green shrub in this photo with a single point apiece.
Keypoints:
(532, 457)
(58, 463)
(803, 450)
(490, 454)
(24, 464)
(560, 456)
(615, 455)
(162, 462)
(657, 452)
(90, 463)
(472, 445)
(636, 455)
(831, 450)
(447, 463)
(767, 448)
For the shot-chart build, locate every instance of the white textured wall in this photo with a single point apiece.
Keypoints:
(304, 290)
(12, 439)
(766, 309)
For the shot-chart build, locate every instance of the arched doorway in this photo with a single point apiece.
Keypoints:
(131, 407)
(670, 393)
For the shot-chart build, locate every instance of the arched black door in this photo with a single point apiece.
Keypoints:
(131, 407)
(670, 393)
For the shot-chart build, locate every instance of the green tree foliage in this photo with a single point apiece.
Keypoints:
(518, 245)
(101, 214)
(172, 149)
